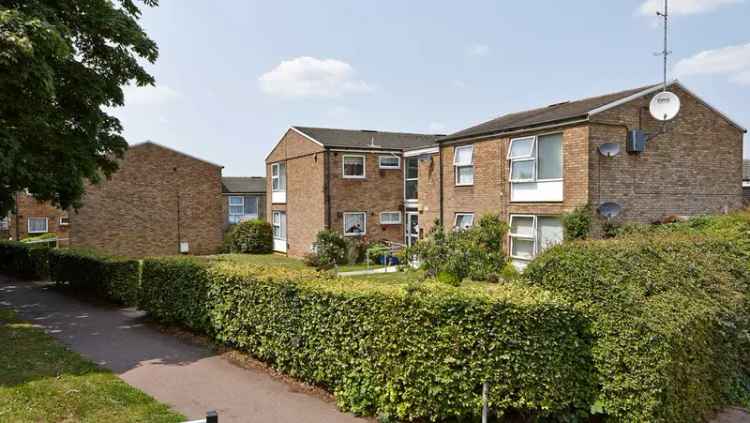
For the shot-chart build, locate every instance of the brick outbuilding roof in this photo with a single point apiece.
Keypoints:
(243, 184)
(366, 139)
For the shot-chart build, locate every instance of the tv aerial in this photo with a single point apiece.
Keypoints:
(666, 105)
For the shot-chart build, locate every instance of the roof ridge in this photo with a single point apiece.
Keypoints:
(364, 130)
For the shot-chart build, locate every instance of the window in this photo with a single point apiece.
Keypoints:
(64, 221)
(389, 162)
(536, 158)
(37, 225)
(278, 177)
(463, 164)
(530, 235)
(4, 224)
(411, 179)
(463, 221)
(242, 208)
(353, 167)
(355, 224)
(390, 218)
(278, 227)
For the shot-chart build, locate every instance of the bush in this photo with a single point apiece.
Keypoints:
(174, 291)
(376, 252)
(474, 253)
(409, 352)
(331, 249)
(577, 224)
(84, 271)
(23, 260)
(669, 315)
(250, 237)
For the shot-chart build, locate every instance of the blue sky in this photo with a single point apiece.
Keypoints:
(234, 74)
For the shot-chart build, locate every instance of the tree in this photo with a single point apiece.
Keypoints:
(61, 64)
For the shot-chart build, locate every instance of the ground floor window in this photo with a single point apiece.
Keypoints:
(390, 218)
(4, 224)
(531, 234)
(355, 223)
(463, 221)
(38, 225)
(277, 221)
(242, 208)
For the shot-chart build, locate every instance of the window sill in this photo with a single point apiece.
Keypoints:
(465, 185)
(357, 235)
(389, 168)
(354, 177)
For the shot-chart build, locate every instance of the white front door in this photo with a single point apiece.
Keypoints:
(279, 231)
(412, 228)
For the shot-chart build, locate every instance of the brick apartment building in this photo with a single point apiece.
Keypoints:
(530, 167)
(533, 166)
(347, 180)
(32, 218)
(159, 202)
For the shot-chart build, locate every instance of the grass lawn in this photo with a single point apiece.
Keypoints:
(42, 381)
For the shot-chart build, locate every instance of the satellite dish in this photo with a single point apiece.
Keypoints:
(610, 149)
(664, 106)
(610, 210)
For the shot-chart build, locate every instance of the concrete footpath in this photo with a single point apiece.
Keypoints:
(189, 377)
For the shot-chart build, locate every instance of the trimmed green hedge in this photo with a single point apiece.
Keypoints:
(113, 278)
(669, 316)
(410, 353)
(174, 290)
(23, 260)
(250, 237)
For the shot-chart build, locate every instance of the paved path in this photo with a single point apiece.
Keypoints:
(188, 377)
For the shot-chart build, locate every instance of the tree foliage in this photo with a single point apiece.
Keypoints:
(62, 63)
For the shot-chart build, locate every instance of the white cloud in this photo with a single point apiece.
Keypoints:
(732, 61)
(311, 77)
(478, 50)
(148, 95)
(684, 7)
(458, 83)
(437, 128)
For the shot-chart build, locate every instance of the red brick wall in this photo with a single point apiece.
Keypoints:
(30, 207)
(491, 190)
(305, 199)
(135, 213)
(382, 190)
(429, 193)
(695, 168)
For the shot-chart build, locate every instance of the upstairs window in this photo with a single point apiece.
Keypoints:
(412, 179)
(463, 164)
(463, 221)
(389, 162)
(64, 220)
(37, 225)
(536, 159)
(353, 167)
(278, 177)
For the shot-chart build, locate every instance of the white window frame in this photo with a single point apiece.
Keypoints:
(397, 222)
(343, 223)
(407, 179)
(457, 166)
(46, 225)
(4, 223)
(381, 166)
(64, 221)
(364, 166)
(242, 215)
(533, 156)
(455, 221)
(534, 238)
(277, 177)
(274, 224)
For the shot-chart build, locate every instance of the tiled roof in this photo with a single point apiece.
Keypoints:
(546, 115)
(366, 139)
(234, 184)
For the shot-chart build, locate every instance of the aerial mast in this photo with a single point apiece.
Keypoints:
(666, 52)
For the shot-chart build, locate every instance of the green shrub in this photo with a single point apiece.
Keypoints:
(331, 249)
(85, 271)
(474, 253)
(376, 251)
(409, 352)
(577, 224)
(22, 260)
(356, 250)
(251, 237)
(173, 291)
(669, 315)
